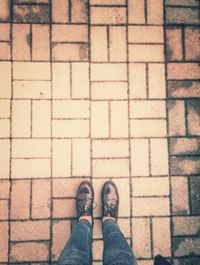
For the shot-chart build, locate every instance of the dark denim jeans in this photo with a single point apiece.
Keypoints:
(78, 250)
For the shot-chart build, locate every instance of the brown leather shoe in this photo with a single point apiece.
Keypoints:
(110, 200)
(84, 199)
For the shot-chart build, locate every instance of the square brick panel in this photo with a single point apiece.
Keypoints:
(97, 90)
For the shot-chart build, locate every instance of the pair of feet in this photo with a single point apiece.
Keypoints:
(85, 199)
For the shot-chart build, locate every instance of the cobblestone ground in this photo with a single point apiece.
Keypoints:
(99, 90)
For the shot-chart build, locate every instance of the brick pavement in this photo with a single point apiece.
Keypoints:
(182, 62)
(99, 90)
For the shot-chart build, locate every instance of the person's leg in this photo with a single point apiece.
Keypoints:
(77, 251)
(116, 248)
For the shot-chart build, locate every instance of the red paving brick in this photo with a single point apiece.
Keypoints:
(89, 103)
(4, 242)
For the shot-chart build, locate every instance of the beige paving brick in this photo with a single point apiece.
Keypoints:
(40, 168)
(61, 160)
(60, 11)
(28, 148)
(136, 12)
(97, 229)
(103, 15)
(74, 109)
(4, 242)
(97, 185)
(155, 12)
(21, 42)
(139, 157)
(20, 199)
(146, 53)
(158, 186)
(31, 70)
(4, 189)
(124, 225)
(5, 76)
(5, 51)
(156, 79)
(4, 158)
(119, 119)
(150, 206)
(147, 109)
(148, 128)
(70, 52)
(79, 11)
(41, 118)
(80, 80)
(71, 128)
(176, 116)
(161, 229)
(141, 233)
(61, 233)
(99, 112)
(97, 249)
(29, 251)
(5, 128)
(35, 1)
(110, 167)
(110, 148)
(4, 32)
(109, 90)
(30, 230)
(81, 157)
(32, 89)
(64, 208)
(21, 118)
(137, 81)
(108, 72)
(117, 44)
(180, 196)
(5, 10)
(69, 33)
(145, 34)
(41, 198)
(61, 80)
(4, 209)
(99, 44)
(61, 187)
(40, 42)
(159, 156)
(105, 2)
